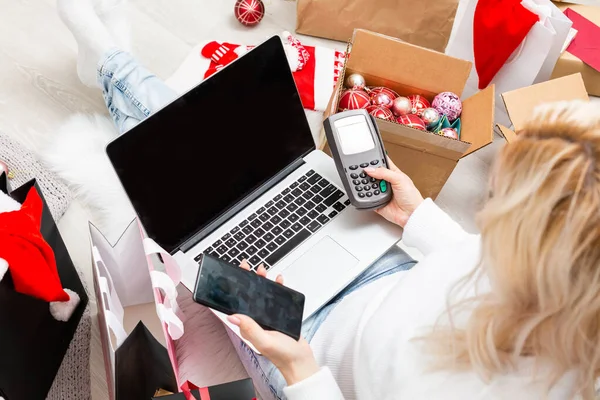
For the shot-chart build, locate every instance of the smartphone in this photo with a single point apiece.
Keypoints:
(232, 290)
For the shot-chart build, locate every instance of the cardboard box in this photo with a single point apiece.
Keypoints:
(427, 158)
(568, 64)
(520, 103)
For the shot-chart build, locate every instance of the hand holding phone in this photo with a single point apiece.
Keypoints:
(233, 290)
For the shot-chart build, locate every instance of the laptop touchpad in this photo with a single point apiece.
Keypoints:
(320, 268)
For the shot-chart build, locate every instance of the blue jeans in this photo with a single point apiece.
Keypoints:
(131, 94)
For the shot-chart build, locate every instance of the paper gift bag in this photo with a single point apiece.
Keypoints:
(532, 61)
(137, 309)
(33, 343)
(141, 307)
(426, 23)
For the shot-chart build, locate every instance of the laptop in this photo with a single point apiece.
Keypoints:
(230, 168)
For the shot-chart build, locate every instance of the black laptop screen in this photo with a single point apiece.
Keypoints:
(199, 156)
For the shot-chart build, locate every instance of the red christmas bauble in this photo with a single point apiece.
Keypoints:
(249, 12)
(418, 103)
(401, 106)
(353, 99)
(382, 99)
(381, 112)
(413, 121)
(381, 89)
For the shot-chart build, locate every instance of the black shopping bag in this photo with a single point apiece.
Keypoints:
(238, 390)
(32, 343)
(142, 365)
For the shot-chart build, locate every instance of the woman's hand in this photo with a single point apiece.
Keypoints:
(293, 358)
(406, 195)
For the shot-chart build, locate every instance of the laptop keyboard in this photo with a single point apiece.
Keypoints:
(284, 222)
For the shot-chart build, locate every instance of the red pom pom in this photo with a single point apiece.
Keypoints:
(419, 103)
(354, 99)
(249, 12)
(413, 121)
(381, 112)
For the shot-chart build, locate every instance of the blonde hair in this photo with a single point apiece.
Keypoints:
(540, 233)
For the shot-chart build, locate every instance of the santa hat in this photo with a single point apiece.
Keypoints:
(29, 258)
(315, 69)
(499, 28)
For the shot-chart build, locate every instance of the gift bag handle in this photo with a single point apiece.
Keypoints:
(114, 304)
(116, 327)
(162, 281)
(100, 262)
(171, 266)
(107, 286)
(169, 318)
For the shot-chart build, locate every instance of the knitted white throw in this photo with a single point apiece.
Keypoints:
(24, 166)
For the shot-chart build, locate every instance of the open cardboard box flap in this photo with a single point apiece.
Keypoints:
(520, 103)
(478, 119)
(413, 66)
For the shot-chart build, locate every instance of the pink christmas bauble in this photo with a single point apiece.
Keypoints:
(401, 106)
(413, 121)
(449, 132)
(249, 12)
(353, 99)
(381, 112)
(418, 104)
(382, 99)
(449, 104)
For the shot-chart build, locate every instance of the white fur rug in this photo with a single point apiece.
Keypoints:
(77, 155)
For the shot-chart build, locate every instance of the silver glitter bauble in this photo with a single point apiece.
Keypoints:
(355, 81)
(431, 117)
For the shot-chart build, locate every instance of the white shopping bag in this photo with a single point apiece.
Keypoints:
(138, 313)
(146, 341)
(532, 62)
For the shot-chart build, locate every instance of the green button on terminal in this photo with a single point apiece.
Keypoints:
(383, 186)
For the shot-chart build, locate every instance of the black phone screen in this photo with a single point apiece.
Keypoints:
(233, 290)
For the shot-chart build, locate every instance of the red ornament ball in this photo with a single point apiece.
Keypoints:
(353, 99)
(418, 103)
(401, 106)
(375, 90)
(249, 12)
(413, 121)
(449, 132)
(382, 99)
(381, 112)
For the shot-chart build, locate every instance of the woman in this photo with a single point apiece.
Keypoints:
(511, 313)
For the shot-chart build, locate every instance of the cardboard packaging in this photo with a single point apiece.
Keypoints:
(426, 23)
(568, 64)
(426, 157)
(520, 103)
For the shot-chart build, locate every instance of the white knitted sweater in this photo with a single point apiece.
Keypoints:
(365, 347)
